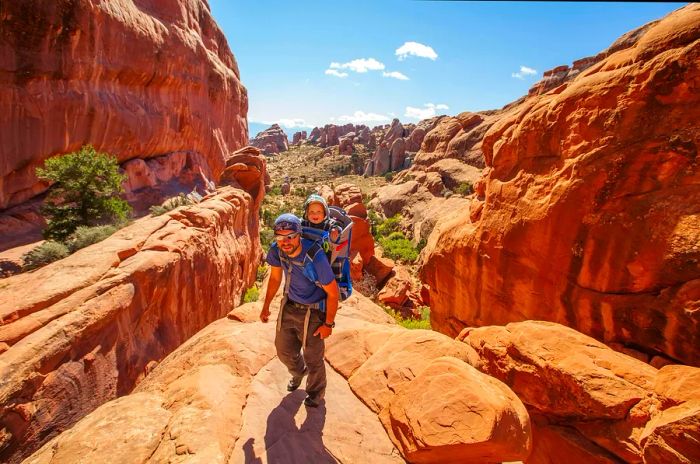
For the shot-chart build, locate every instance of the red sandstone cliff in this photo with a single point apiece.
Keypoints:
(137, 79)
(85, 329)
(588, 215)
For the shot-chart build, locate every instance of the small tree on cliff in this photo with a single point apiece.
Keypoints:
(85, 190)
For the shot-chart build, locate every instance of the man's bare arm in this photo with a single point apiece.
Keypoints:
(272, 286)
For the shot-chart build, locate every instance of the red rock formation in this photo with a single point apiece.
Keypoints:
(345, 144)
(395, 131)
(591, 205)
(298, 137)
(329, 135)
(590, 403)
(86, 327)
(61, 88)
(271, 141)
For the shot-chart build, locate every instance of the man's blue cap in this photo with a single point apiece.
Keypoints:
(287, 221)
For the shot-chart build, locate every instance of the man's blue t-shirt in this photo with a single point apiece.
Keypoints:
(301, 289)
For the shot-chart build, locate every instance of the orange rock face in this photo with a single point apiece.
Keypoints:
(83, 330)
(69, 75)
(588, 402)
(591, 216)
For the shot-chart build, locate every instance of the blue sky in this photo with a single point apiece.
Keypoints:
(480, 55)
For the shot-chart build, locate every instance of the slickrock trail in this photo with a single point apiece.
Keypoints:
(221, 398)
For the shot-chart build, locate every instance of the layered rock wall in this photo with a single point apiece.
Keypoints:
(590, 209)
(85, 329)
(133, 79)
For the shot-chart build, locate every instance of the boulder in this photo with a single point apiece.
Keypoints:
(348, 194)
(395, 292)
(594, 382)
(380, 267)
(485, 421)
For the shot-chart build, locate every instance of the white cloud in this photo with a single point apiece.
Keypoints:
(524, 71)
(359, 117)
(360, 65)
(336, 73)
(415, 49)
(424, 113)
(289, 123)
(395, 75)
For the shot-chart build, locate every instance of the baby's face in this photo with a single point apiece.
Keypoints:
(316, 213)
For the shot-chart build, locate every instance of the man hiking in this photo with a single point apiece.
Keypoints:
(309, 304)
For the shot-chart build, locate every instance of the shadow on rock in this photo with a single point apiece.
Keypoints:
(287, 443)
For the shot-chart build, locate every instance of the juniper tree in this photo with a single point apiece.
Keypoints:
(85, 191)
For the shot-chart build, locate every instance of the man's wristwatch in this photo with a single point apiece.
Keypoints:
(331, 325)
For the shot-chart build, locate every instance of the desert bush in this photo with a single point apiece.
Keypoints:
(275, 190)
(422, 323)
(84, 236)
(464, 188)
(44, 254)
(170, 204)
(389, 176)
(367, 285)
(398, 248)
(85, 191)
(261, 273)
(251, 294)
(385, 227)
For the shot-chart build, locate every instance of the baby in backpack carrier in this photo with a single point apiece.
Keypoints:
(316, 215)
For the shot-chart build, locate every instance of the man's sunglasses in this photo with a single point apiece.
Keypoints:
(281, 238)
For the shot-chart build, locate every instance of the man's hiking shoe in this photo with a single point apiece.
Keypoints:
(294, 382)
(311, 402)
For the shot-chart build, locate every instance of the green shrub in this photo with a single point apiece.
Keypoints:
(84, 236)
(411, 324)
(389, 176)
(84, 191)
(423, 323)
(251, 294)
(465, 188)
(275, 190)
(261, 272)
(398, 248)
(44, 254)
(386, 227)
(421, 244)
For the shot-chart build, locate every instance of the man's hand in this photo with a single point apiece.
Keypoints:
(324, 332)
(265, 314)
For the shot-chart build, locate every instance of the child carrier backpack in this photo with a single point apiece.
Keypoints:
(338, 253)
